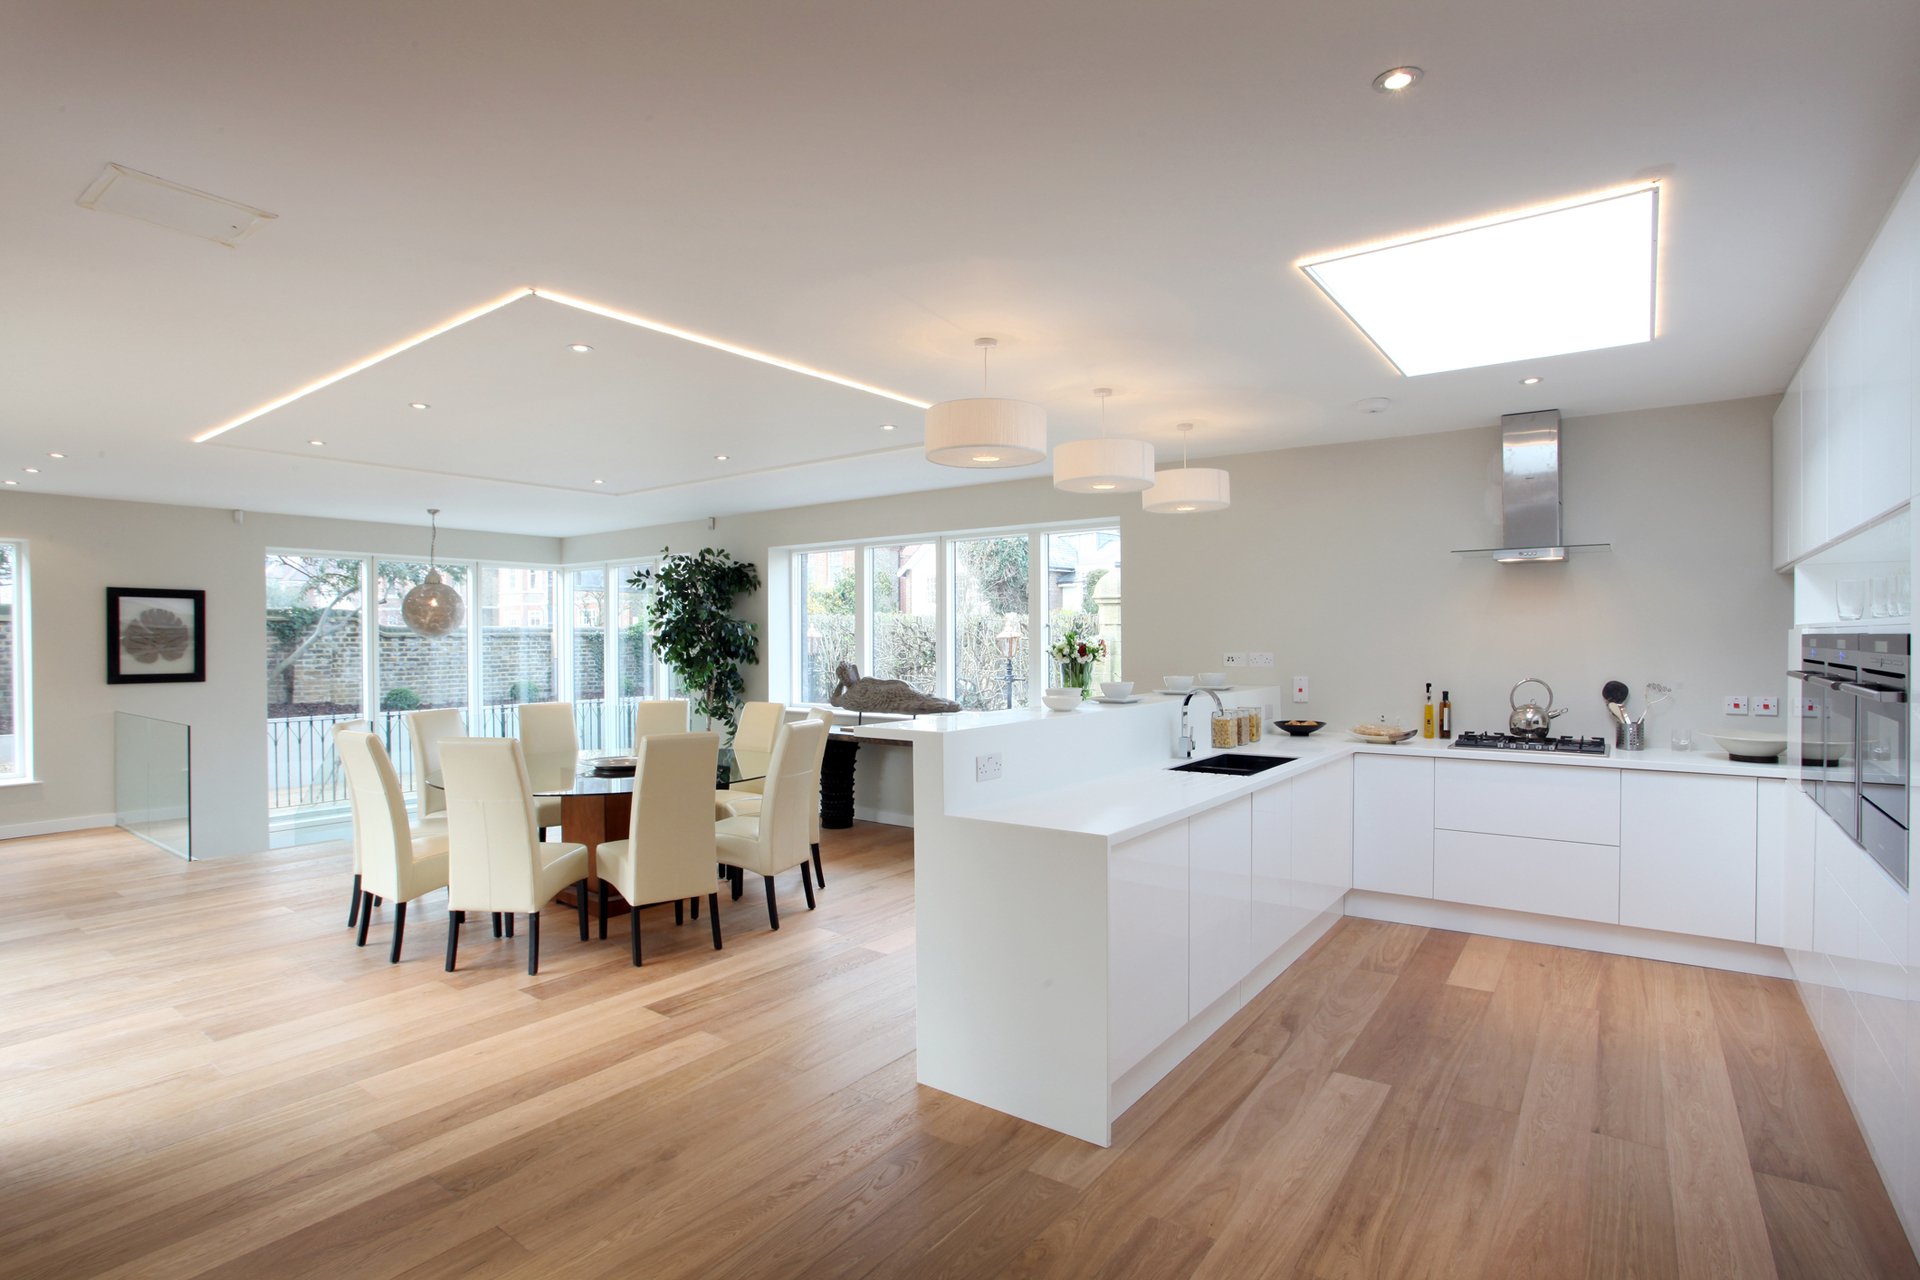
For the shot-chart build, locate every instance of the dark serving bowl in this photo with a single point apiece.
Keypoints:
(1299, 728)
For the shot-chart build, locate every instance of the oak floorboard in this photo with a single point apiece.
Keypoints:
(200, 1074)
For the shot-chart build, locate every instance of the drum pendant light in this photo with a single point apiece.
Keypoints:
(986, 431)
(433, 608)
(1103, 465)
(1183, 489)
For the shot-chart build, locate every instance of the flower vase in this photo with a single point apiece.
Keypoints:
(1075, 675)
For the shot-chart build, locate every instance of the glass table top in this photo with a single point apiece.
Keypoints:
(585, 782)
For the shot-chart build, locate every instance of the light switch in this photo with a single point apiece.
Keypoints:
(1766, 706)
(1736, 704)
(1299, 688)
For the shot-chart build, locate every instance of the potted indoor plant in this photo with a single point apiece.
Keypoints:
(690, 606)
(1077, 655)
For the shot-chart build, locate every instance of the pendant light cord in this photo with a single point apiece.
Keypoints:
(433, 542)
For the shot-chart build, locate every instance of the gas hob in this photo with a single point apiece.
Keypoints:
(1511, 742)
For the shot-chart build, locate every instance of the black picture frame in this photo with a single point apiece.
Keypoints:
(150, 650)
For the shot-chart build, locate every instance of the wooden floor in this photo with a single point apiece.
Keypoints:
(200, 1075)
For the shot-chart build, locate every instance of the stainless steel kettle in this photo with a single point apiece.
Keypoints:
(1531, 719)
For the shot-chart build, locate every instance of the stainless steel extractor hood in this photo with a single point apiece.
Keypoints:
(1530, 492)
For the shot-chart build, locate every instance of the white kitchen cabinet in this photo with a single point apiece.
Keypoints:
(1770, 861)
(1548, 877)
(1532, 799)
(1393, 824)
(1276, 912)
(1788, 526)
(1147, 943)
(1882, 379)
(1323, 835)
(1220, 855)
(1797, 870)
(1846, 430)
(1813, 447)
(1688, 854)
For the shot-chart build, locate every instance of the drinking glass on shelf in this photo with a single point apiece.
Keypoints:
(1900, 596)
(1681, 738)
(1877, 590)
(1851, 598)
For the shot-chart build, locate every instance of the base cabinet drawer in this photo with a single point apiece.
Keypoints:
(1393, 824)
(1688, 854)
(1518, 873)
(1546, 802)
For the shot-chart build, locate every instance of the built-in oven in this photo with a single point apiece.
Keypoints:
(1839, 791)
(1817, 683)
(1879, 698)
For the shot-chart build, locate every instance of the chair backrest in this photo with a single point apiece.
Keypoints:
(659, 715)
(428, 729)
(380, 833)
(492, 839)
(753, 740)
(350, 726)
(671, 830)
(550, 744)
(792, 788)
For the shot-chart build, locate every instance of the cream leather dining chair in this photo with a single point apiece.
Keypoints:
(776, 839)
(427, 730)
(552, 751)
(753, 739)
(668, 853)
(745, 804)
(659, 715)
(395, 862)
(340, 727)
(495, 858)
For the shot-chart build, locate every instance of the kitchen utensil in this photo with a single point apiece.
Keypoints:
(1299, 728)
(1657, 693)
(1373, 733)
(1531, 719)
(1752, 748)
(1630, 735)
(1616, 694)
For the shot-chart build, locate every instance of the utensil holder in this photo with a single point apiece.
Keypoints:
(1631, 736)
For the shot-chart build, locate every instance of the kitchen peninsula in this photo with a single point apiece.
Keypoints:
(1087, 915)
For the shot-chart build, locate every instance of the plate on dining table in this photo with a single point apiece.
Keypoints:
(612, 766)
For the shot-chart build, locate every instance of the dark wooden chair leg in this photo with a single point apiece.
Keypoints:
(695, 904)
(509, 924)
(806, 882)
(353, 906)
(713, 914)
(379, 901)
(819, 874)
(603, 911)
(634, 926)
(453, 938)
(739, 879)
(399, 929)
(773, 908)
(366, 918)
(580, 896)
(679, 913)
(533, 943)
(496, 924)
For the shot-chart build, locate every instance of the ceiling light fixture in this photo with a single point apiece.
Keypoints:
(687, 335)
(986, 431)
(1177, 491)
(1103, 465)
(579, 348)
(32, 471)
(719, 457)
(318, 444)
(433, 608)
(599, 481)
(1530, 382)
(1373, 404)
(12, 482)
(1572, 276)
(886, 426)
(1396, 79)
(56, 455)
(420, 404)
(368, 363)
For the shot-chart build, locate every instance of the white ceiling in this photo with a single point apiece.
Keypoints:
(1116, 193)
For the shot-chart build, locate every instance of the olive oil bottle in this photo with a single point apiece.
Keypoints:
(1426, 716)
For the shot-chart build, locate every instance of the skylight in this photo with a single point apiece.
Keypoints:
(1576, 276)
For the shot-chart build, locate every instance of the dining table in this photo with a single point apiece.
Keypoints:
(596, 805)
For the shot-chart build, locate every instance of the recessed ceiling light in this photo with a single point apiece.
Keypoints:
(1575, 276)
(599, 481)
(32, 471)
(1373, 404)
(420, 404)
(719, 457)
(579, 348)
(1394, 79)
(886, 426)
(318, 444)
(56, 455)
(1530, 382)
(12, 482)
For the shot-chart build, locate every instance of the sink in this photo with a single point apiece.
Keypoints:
(1234, 764)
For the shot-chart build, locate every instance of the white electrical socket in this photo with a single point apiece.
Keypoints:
(1299, 688)
(1810, 706)
(1766, 706)
(1233, 660)
(1736, 704)
(1261, 659)
(986, 768)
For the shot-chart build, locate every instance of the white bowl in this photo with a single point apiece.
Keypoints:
(1179, 684)
(1211, 678)
(1116, 688)
(1068, 701)
(1750, 746)
(1061, 690)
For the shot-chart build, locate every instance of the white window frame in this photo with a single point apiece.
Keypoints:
(22, 673)
(609, 651)
(784, 562)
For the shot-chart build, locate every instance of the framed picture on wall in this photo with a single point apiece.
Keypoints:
(156, 635)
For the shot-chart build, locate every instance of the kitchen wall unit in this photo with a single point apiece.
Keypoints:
(1843, 435)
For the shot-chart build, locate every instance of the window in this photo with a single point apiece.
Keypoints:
(516, 644)
(16, 758)
(413, 671)
(316, 673)
(827, 589)
(965, 616)
(587, 644)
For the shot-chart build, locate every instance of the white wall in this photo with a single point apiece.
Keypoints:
(79, 547)
(1337, 559)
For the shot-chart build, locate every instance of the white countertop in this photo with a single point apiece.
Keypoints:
(1136, 801)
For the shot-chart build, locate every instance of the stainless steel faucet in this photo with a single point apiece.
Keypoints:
(1184, 747)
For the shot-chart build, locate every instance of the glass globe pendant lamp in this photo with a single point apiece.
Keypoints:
(433, 608)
